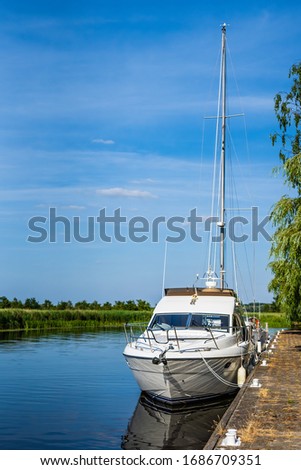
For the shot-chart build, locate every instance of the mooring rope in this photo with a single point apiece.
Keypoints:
(221, 379)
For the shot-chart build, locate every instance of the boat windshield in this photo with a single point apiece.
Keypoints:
(217, 321)
(165, 321)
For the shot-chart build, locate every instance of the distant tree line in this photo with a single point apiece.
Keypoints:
(132, 305)
(33, 304)
(272, 307)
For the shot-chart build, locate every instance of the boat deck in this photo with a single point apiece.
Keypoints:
(267, 417)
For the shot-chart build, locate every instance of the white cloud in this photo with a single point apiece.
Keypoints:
(142, 181)
(116, 192)
(103, 141)
(74, 207)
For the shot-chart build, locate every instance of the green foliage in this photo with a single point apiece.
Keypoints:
(262, 307)
(47, 304)
(22, 319)
(32, 303)
(107, 306)
(4, 302)
(275, 320)
(15, 315)
(63, 305)
(286, 214)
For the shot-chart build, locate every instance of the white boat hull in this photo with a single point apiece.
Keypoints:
(192, 347)
(188, 378)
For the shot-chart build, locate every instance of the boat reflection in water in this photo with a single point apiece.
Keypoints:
(185, 427)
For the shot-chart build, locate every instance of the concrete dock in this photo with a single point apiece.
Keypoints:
(266, 416)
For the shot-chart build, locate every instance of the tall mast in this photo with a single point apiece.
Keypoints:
(223, 147)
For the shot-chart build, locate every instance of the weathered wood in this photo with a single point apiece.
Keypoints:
(268, 417)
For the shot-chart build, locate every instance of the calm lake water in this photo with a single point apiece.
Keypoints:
(73, 390)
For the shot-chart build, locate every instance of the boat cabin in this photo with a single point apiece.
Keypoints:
(197, 308)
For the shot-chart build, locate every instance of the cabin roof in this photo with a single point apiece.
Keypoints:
(204, 302)
(200, 291)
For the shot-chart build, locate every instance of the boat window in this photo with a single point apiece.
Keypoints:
(209, 320)
(169, 320)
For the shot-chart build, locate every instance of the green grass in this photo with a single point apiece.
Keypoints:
(28, 319)
(23, 319)
(274, 320)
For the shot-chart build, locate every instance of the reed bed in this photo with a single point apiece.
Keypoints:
(42, 319)
(28, 319)
(274, 320)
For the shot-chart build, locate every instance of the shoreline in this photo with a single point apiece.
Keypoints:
(49, 319)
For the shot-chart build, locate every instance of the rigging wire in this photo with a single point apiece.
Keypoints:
(234, 198)
(214, 177)
(164, 267)
(246, 176)
(204, 261)
(214, 233)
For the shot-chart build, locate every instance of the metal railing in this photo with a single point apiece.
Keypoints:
(141, 332)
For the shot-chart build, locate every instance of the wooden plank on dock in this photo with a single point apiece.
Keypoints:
(269, 416)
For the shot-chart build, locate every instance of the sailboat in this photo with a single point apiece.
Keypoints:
(197, 344)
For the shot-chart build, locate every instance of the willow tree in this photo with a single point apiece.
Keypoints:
(286, 213)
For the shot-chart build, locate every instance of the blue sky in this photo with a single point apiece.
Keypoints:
(102, 106)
